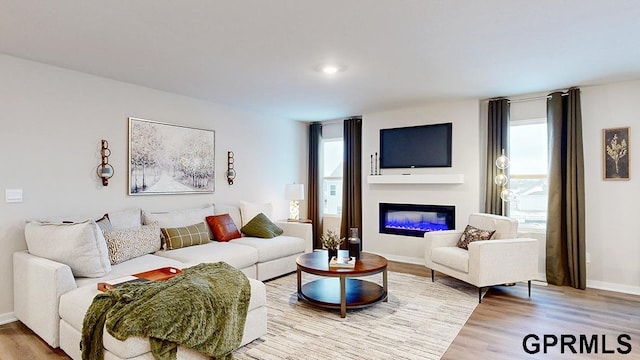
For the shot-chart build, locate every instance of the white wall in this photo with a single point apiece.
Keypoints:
(51, 123)
(612, 206)
(465, 160)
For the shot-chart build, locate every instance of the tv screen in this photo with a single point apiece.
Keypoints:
(416, 146)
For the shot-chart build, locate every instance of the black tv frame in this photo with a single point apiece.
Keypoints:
(413, 132)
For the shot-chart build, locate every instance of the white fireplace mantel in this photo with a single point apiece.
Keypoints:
(416, 179)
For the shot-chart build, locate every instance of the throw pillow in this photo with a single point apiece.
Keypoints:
(104, 223)
(249, 210)
(175, 238)
(472, 234)
(260, 226)
(81, 246)
(223, 227)
(131, 243)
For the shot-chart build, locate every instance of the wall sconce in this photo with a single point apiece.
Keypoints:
(105, 170)
(294, 193)
(231, 173)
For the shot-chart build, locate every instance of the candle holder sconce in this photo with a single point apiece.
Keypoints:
(231, 173)
(105, 170)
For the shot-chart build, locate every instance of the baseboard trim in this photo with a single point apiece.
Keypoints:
(621, 288)
(7, 318)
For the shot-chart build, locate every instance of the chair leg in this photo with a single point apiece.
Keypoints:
(479, 295)
(529, 285)
(433, 275)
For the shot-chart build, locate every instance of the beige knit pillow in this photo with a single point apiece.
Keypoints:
(131, 243)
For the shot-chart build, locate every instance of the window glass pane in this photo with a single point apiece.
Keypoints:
(332, 180)
(528, 173)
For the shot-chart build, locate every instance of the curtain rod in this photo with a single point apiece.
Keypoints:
(565, 93)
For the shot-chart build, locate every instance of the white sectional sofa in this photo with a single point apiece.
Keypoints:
(51, 301)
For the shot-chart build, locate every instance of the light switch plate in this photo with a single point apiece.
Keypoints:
(13, 195)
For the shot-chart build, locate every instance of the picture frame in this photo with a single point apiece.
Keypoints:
(170, 159)
(616, 153)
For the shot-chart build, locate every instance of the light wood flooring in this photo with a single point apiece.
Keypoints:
(495, 330)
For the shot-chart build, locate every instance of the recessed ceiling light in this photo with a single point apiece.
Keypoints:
(331, 69)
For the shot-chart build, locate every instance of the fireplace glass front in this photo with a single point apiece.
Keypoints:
(415, 219)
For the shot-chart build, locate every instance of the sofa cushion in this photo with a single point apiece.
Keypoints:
(130, 243)
(176, 238)
(81, 246)
(260, 226)
(223, 227)
(471, 234)
(133, 266)
(249, 210)
(232, 210)
(126, 219)
(275, 248)
(451, 256)
(236, 255)
(180, 218)
(104, 223)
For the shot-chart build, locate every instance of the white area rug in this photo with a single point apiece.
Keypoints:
(419, 321)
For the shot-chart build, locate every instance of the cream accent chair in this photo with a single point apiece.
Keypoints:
(501, 260)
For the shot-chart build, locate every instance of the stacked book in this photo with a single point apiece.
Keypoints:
(342, 262)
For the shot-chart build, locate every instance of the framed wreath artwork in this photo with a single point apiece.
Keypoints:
(616, 153)
(170, 159)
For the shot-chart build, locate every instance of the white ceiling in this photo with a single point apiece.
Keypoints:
(262, 55)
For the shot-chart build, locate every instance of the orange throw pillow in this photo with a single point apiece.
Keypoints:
(223, 227)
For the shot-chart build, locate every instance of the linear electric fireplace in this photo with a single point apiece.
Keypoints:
(415, 219)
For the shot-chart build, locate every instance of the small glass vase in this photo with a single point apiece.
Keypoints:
(332, 253)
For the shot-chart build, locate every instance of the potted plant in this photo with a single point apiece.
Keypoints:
(332, 241)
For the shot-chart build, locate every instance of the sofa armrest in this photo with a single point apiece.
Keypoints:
(493, 262)
(301, 230)
(38, 284)
(434, 239)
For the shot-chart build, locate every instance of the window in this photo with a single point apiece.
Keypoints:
(332, 151)
(528, 172)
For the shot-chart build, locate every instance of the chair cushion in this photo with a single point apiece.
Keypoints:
(223, 227)
(453, 257)
(471, 234)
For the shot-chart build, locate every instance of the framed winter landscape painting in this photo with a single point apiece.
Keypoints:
(170, 159)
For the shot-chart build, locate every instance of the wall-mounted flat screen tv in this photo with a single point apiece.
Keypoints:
(416, 146)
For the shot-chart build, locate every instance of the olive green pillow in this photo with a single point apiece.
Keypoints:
(175, 238)
(260, 226)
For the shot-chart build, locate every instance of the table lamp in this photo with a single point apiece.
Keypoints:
(294, 193)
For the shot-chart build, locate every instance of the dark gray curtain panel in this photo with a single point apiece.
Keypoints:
(566, 263)
(497, 139)
(315, 182)
(352, 177)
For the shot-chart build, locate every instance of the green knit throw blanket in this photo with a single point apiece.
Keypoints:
(204, 308)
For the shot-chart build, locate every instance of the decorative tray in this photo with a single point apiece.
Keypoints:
(159, 274)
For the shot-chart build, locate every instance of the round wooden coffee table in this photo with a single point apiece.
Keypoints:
(338, 289)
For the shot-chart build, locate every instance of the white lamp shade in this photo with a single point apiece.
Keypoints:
(294, 192)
